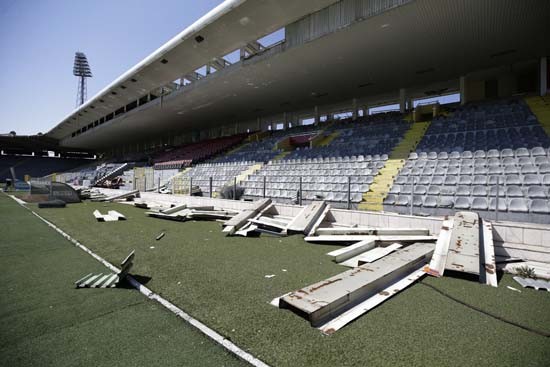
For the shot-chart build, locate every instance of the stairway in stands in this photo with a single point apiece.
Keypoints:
(328, 139)
(540, 106)
(378, 190)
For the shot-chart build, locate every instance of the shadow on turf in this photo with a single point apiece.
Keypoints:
(140, 278)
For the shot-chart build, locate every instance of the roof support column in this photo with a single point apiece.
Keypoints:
(402, 100)
(543, 75)
(462, 87)
(316, 115)
(286, 122)
(354, 109)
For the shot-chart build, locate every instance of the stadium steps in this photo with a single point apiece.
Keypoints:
(540, 106)
(281, 155)
(378, 190)
(247, 172)
(328, 139)
(180, 182)
(112, 173)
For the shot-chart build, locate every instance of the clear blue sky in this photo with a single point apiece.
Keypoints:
(38, 39)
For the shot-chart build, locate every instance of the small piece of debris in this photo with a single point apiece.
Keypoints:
(513, 289)
(269, 276)
(283, 269)
(152, 247)
(160, 236)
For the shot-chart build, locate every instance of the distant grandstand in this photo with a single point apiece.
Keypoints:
(285, 98)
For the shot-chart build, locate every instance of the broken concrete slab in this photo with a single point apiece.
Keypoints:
(372, 231)
(240, 220)
(324, 216)
(439, 259)
(464, 246)
(533, 283)
(348, 252)
(357, 238)
(325, 300)
(463, 254)
(125, 195)
(377, 253)
(487, 253)
(306, 219)
(348, 316)
(111, 216)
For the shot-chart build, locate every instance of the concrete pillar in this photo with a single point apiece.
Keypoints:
(354, 109)
(316, 115)
(543, 76)
(402, 100)
(462, 82)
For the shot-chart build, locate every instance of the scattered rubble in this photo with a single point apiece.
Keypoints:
(111, 216)
(108, 280)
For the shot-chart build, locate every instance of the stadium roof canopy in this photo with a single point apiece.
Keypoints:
(408, 43)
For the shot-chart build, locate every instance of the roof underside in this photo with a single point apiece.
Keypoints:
(226, 28)
(423, 42)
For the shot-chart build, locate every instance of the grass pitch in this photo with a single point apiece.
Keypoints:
(45, 321)
(221, 281)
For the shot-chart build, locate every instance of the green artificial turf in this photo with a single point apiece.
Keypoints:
(45, 321)
(221, 281)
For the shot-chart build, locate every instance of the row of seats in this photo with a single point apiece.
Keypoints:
(478, 190)
(536, 151)
(196, 152)
(514, 205)
(501, 151)
(221, 174)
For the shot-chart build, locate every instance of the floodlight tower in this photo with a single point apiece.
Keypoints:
(82, 70)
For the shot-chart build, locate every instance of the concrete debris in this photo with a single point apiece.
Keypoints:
(241, 219)
(377, 253)
(513, 289)
(269, 276)
(371, 231)
(125, 195)
(356, 238)
(306, 219)
(348, 316)
(107, 280)
(188, 213)
(324, 302)
(160, 236)
(542, 270)
(111, 216)
(537, 284)
(462, 247)
(348, 252)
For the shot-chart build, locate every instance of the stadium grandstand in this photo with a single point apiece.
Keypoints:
(230, 89)
(405, 111)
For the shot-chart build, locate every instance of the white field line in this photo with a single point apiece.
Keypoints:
(153, 296)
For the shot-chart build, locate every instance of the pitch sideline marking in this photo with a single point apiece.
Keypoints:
(211, 333)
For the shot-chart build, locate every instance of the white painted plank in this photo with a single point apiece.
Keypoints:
(348, 252)
(377, 253)
(367, 231)
(439, 258)
(345, 318)
(489, 255)
(357, 238)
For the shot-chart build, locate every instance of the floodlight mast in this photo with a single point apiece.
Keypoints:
(82, 70)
